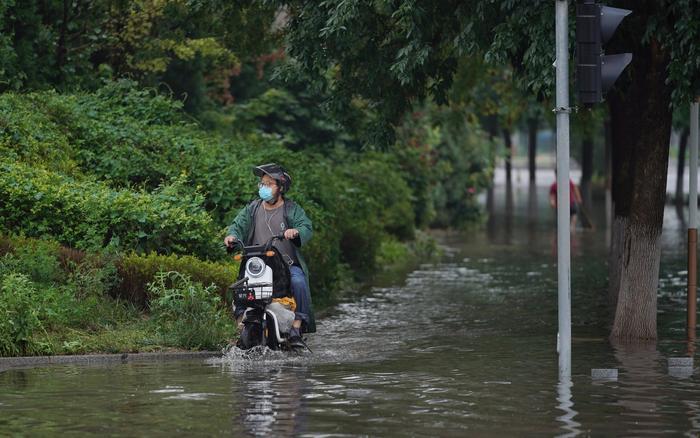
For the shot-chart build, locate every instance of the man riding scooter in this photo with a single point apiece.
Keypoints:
(274, 214)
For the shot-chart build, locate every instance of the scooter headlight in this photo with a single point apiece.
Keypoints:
(255, 267)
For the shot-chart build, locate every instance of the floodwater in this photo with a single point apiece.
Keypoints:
(461, 347)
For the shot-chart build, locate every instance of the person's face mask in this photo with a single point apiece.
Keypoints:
(265, 192)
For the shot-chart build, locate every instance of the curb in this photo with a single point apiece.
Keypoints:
(97, 359)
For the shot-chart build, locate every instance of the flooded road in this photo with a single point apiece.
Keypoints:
(464, 346)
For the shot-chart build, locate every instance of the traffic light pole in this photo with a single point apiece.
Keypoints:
(693, 222)
(563, 216)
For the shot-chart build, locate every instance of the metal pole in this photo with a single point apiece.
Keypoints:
(563, 215)
(608, 184)
(693, 222)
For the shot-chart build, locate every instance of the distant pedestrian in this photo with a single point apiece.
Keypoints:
(575, 200)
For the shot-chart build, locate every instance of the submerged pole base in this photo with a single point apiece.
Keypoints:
(692, 283)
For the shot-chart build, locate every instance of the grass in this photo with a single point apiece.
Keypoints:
(138, 334)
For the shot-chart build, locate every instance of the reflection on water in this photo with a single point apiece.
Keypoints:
(639, 397)
(457, 348)
(272, 403)
(570, 426)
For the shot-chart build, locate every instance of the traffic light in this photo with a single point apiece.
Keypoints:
(596, 72)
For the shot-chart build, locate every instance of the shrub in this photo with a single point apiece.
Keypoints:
(90, 215)
(188, 314)
(19, 315)
(391, 252)
(352, 206)
(93, 277)
(32, 257)
(137, 271)
(28, 135)
(449, 160)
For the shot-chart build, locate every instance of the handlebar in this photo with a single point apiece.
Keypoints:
(237, 244)
(230, 249)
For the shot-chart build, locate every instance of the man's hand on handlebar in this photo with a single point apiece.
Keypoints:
(291, 234)
(229, 240)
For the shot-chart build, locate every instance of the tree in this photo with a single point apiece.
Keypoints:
(491, 92)
(192, 47)
(681, 122)
(640, 112)
(395, 53)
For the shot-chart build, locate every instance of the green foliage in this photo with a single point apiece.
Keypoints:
(90, 215)
(292, 116)
(385, 52)
(123, 136)
(285, 103)
(127, 137)
(137, 271)
(374, 199)
(19, 315)
(93, 277)
(70, 45)
(391, 252)
(36, 259)
(73, 293)
(677, 25)
(29, 135)
(187, 313)
(131, 334)
(65, 307)
(394, 254)
(449, 160)
(396, 53)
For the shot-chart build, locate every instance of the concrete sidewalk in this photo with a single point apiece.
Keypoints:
(98, 359)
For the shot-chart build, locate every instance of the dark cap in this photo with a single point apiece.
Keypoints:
(276, 172)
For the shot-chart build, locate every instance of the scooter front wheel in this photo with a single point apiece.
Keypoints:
(251, 335)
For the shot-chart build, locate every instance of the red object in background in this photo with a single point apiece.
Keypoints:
(553, 191)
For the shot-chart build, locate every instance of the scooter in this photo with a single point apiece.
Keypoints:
(263, 277)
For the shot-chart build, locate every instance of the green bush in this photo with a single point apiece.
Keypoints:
(58, 302)
(135, 272)
(448, 159)
(188, 314)
(391, 252)
(19, 315)
(28, 135)
(37, 259)
(89, 215)
(358, 202)
(73, 293)
(126, 137)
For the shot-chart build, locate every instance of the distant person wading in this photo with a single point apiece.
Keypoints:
(575, 200)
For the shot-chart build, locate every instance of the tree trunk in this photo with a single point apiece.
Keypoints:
(639, 253)
(532, 125)
(641, 125)
(680, 199)
(509, 153)
(508, 232)
(615, 261)
(586, 170)
(491, 125)
(61, 49)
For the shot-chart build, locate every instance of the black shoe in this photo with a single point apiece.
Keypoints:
(295, 341)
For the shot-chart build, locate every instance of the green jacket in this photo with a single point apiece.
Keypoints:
(243, 228)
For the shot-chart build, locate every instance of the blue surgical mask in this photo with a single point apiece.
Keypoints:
(265, 193)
